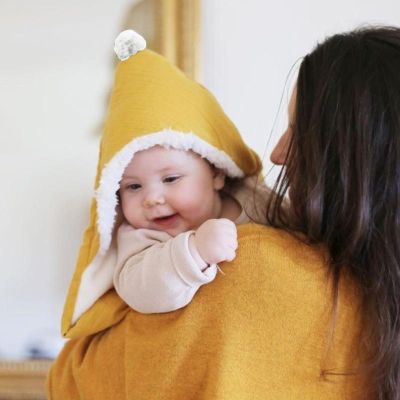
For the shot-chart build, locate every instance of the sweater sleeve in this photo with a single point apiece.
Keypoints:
(156, 272)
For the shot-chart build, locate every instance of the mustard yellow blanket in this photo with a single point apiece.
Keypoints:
(260, 331)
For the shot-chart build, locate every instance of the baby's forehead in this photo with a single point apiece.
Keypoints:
(166, 153)
(158, 158)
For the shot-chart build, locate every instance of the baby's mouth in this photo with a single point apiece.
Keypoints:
(167, 220)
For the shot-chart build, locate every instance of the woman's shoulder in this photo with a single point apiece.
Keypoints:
(253, 230)
(293, 265)
(279, 242)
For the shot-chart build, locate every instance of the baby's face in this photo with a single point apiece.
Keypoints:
(170, 190)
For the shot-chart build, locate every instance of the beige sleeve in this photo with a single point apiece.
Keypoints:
(156, 272)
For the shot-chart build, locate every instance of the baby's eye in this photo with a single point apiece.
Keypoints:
(171, 179)
(134, 186)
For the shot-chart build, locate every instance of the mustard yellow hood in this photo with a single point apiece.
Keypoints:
(152, 103)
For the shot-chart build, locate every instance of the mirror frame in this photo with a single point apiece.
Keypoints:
(171, 28)
(176, 35)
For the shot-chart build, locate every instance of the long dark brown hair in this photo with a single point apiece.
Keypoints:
(343, 170)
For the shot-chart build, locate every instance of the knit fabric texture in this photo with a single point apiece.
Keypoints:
(260, 331)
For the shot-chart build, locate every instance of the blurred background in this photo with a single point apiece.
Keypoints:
(56, 70)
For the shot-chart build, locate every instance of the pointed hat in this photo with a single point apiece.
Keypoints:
(152, 103)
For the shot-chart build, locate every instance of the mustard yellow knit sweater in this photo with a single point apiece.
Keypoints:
(263, 330)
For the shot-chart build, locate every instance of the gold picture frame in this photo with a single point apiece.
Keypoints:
(171, 28)
(23, 380)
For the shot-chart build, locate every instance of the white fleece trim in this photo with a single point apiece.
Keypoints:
(113, 171)
(95, 281)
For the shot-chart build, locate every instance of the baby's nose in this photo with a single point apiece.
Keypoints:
(153, 199)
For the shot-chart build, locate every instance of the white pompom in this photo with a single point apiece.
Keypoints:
(128, 43)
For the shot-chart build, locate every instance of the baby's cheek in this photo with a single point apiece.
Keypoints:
(196, 207)
(189, 198)
(130, 211)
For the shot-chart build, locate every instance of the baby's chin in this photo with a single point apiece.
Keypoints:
(177, 230)
(173, 225)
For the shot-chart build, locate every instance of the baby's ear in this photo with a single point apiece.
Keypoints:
(219, 179)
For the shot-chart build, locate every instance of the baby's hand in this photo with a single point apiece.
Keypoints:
(216, 240)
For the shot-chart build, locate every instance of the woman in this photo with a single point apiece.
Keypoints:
(342, 153)
(310, 312)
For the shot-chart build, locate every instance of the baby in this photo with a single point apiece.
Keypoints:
(179, 225)
(174, 179)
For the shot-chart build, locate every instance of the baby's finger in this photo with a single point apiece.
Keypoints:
(228, 227)
(231, 255)
(230, 241)
(227, 222)
(233, 244)
(230, 236)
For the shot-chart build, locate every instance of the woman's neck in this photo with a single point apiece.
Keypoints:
(230, 208)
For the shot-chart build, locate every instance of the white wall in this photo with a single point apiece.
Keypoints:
(250, 46)
(55, 71)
